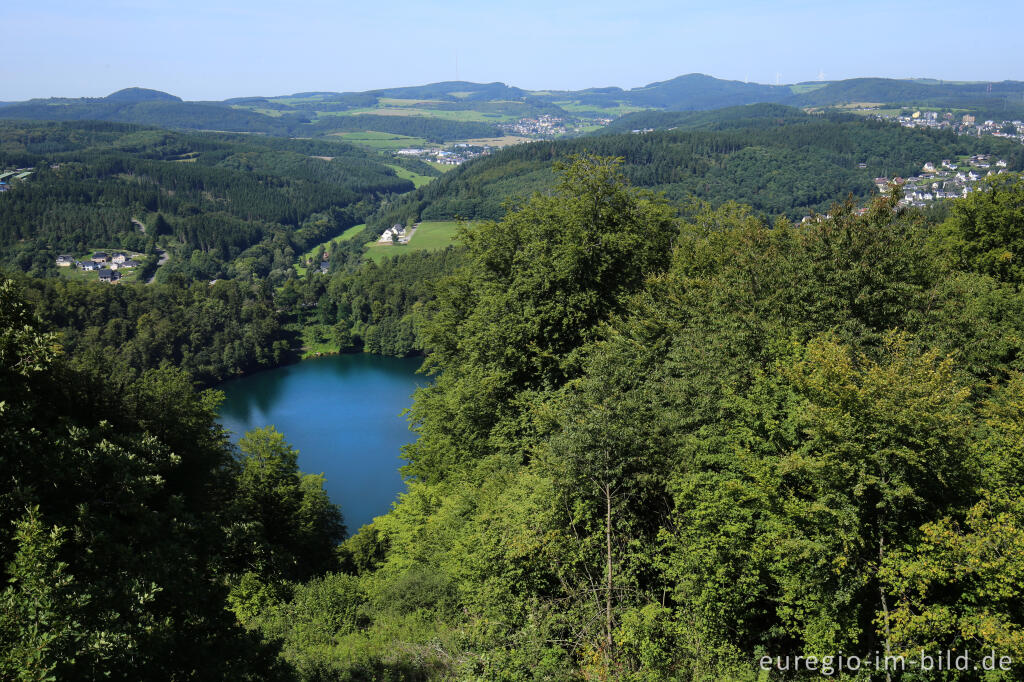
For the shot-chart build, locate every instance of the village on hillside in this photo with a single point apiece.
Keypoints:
(946, 180)
(966, 124)
(110, 266)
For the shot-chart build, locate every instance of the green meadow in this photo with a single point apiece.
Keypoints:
(430, 236)
(417, 179)
(377, 140)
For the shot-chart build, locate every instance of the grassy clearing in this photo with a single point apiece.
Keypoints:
(443, 167)
(74, 274)
(315, 341)
(505, 141)
(417, 179)
(621, 110)
(378, 140)
(396, 102)
(801, 88)
(429, 236)
(457, 115)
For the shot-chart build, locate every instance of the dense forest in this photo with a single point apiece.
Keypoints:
(660, 443)
(777, 160)
(205, 198)
(213, 332)
(306, 113)
(216, 116)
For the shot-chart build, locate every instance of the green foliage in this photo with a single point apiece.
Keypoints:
(287, 527)
(40, 635)
(987, 229)
(778, 161)
(216, 194)
(135, 477)
(213, 332)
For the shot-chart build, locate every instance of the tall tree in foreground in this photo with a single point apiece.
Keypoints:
(111, 500)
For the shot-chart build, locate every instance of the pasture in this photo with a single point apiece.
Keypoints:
(430, 236)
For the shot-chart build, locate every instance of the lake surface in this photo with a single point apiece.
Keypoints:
(342, 412)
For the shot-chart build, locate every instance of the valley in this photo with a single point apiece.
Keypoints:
(708, 372)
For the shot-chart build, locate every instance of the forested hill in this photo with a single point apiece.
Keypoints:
(204, 198)
(457, 110)
(742, 116)
(659, 444)
(172, 113)
(776, 159)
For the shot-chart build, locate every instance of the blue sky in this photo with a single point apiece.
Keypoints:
(217, 49)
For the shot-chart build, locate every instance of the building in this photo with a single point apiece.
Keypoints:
(65, 260)
(109, 276)
(100, 257)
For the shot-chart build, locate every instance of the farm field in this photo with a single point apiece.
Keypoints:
(457, 115)
(417, 179)
(429, 236)
(377, 140)
(620, 110)
(498, 141)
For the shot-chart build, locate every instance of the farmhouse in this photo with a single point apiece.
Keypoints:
(394, 233)
(64, 260)
(108, 275)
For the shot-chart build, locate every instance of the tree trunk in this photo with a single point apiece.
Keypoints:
(608, 566)
(885, 606)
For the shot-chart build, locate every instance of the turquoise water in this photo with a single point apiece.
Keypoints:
(342, 412)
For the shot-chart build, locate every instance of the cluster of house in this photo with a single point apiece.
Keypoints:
(16, 175)
(547, 126)
(945, 181)
(453, 156)
(544, 125)
(396, 234)
(107, 264)
(964, 125)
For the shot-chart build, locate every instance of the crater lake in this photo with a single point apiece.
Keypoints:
(343, 414)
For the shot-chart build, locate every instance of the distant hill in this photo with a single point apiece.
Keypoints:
(905, 91)
(458, 110)
(776, 159)
(698, 91)
(747, 115)
(141, 95)
(454, 90)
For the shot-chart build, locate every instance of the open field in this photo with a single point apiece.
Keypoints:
(376, 140)
(505, 141)
(417, 179)
(458, 115)
(620, 110)
(801, 88)
(430, 236)
(395, 102)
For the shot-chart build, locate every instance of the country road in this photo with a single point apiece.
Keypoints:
(163, 259)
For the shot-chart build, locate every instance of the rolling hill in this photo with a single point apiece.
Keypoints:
(458, 110)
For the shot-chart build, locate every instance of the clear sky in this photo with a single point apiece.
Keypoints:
(215, 49)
